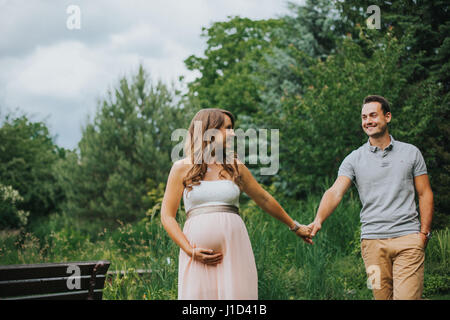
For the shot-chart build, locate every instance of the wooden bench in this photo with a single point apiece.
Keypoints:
(83, 280)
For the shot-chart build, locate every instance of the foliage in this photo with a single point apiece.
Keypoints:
(27, 154)
(424, 29)
(309, 75)
(288, 269)
(306, 74)
(423, 25)
(227, 65)
(10, 215)
(320, 119)
(124, 152)
(236, 47)
(314, 27)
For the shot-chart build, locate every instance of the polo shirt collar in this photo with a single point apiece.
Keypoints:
(375, 148)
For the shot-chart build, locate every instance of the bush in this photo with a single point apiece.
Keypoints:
(10, 215)
(436, 284)
(27, 154)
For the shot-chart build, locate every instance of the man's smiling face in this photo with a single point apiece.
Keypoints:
(374, 121)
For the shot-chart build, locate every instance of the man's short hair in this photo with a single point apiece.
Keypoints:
(384, 103)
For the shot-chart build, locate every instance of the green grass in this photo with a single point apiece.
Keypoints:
(288, 268)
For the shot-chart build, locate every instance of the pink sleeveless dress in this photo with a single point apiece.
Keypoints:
(236, 276)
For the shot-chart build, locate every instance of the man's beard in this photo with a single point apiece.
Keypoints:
(379, 133)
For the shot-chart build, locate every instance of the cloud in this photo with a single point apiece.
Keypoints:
(60, 70)
(143, 38)
(58, 74)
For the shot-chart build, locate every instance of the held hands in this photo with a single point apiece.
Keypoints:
(315, 227)
(304, 232)
(309, 231)
(206, 256)
(210, 257)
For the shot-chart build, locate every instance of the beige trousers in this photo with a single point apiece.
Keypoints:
(395, 267)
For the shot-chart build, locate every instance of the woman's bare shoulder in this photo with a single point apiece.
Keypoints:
(183, 162)
(182, 165)
(241, 165)
(239, 162)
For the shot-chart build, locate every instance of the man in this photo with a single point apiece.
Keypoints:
(385, 172)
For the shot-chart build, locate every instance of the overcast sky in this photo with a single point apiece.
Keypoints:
(55, 74)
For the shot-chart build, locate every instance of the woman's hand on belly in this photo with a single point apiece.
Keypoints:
(207, 256)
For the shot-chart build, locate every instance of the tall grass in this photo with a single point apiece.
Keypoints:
(287, 267)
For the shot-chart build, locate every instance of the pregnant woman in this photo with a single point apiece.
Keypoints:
(216, 259)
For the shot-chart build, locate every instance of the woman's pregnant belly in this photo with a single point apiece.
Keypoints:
(210, 230)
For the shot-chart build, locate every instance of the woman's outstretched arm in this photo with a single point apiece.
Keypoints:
(267, 202)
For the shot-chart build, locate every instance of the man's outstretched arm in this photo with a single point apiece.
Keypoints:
(330, 200)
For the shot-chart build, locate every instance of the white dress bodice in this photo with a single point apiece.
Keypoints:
(212, 192)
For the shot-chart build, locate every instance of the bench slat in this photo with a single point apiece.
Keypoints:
(48, 270)
(48, 281)
(12, 288)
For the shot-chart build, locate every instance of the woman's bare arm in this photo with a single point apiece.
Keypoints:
(170, 204)
(265, 200)
(169, 208)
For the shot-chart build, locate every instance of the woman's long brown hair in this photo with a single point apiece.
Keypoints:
(210, 118)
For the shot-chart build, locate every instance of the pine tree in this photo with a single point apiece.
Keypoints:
(124, 152)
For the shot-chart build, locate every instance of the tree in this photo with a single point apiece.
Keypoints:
(124, 152)
(247, 63)
(228, 63)
(424, 27)
(322, 123)
(27, 154)
(310, 33)
(10, 215)
(295, 83)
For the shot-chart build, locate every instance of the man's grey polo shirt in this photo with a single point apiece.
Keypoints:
(385, 183)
